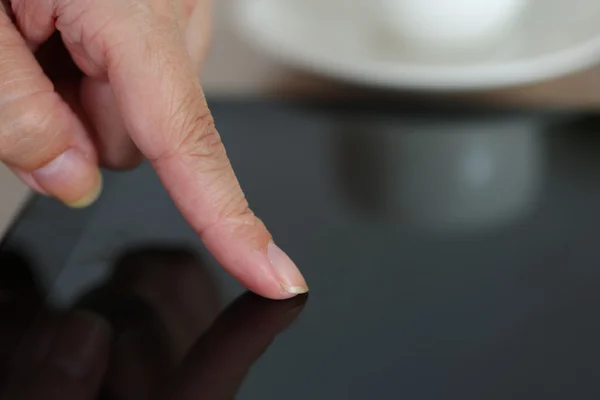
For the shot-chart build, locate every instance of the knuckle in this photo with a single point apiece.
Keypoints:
(235, 206)
(34, 121)
(245, 225)
(197, 137)
(30, 131)
(199, 144)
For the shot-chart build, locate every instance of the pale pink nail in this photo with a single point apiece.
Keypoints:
(289, 275)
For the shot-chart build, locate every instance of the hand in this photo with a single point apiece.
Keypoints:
(162, 342)
(132, 87)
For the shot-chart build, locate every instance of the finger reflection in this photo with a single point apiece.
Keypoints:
(169, 336)
(217, 364)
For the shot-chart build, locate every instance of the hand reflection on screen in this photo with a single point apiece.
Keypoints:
(152, 332)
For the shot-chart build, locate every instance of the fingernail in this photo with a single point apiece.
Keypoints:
(289, 275)
(91, 197)
(78, 343)
(71, 178)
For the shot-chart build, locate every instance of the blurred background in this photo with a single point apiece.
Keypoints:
(238, 67)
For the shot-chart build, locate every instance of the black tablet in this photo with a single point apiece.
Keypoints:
(450, 253)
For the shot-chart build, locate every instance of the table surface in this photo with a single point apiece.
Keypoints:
(444, 260)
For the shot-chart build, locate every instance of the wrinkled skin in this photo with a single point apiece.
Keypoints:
(115, 80)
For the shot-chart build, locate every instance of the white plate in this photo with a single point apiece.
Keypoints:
(340, 39)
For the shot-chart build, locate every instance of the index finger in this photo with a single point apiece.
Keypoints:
(163, 105)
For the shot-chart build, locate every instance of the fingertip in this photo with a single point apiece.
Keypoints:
(92, 196)
(71, 178)
(264, 269)
(289, 275)
(297, 289)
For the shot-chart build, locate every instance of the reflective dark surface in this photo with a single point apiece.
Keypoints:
(450, 254)
(171, 336)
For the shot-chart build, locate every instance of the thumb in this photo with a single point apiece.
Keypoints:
(41, 139)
